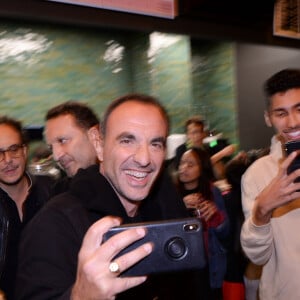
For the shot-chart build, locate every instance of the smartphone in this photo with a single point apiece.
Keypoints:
(178, 246)
(295, 164)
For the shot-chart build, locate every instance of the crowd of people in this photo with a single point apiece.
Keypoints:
(114, 172)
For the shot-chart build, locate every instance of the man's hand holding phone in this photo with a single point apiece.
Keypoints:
(95, 277)
(280, 191)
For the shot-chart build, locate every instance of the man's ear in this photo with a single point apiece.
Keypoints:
(96, 140)
(267, 119)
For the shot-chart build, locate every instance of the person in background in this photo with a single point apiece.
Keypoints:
(203, 199)
(21, 196)
(62, 255)
(195, 132)
(270, 196)
(233, 286)
(67, 132)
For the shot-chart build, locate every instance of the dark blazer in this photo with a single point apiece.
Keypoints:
(11, 227)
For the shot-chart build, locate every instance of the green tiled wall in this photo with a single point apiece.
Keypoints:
(214, 86)
(42, 66)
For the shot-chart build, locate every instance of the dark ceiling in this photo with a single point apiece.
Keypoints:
(245, 21)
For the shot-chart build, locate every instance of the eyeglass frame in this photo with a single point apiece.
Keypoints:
(12, 152)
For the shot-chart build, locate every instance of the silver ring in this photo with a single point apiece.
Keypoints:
(114, 267)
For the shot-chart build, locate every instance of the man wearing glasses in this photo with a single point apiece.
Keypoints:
(21, 196)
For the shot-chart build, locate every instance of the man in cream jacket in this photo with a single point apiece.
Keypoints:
(269, 235)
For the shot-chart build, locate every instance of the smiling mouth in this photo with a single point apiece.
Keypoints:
(293, 135)
(137, 174)
(10, 169)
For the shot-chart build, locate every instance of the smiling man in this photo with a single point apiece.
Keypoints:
(65, 239)
(134, 151)
(271, 197)
(21, 196)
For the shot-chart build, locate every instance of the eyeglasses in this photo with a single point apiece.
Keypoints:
(13, 150)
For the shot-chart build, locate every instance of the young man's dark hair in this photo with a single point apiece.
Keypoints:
(281, 82)
(83, 115)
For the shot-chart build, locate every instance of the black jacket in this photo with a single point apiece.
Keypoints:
(12, 226)
(51, 242)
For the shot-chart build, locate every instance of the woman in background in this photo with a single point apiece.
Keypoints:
(204, 200)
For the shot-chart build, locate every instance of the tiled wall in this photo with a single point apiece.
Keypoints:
(42, 66)
(214, 86)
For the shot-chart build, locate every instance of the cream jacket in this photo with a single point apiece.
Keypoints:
(276, 245)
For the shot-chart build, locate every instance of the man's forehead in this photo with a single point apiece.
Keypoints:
(61, 125)
(67, 118)
(135, 130)
(6, 128)
(135, 113)
(8, 134)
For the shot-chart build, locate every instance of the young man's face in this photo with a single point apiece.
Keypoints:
(134, 149)
(284, 114)
(13, 164)
(70, 144)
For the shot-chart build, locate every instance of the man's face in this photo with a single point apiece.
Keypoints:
(13, 165)
(195, 134)
(134, 149)
(70, 144)
(284, 114)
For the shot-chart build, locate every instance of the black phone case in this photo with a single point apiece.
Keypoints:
(178, 245)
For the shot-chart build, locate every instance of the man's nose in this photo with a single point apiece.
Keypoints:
(293, 120)
(142, 155)
(7, 156)
(57, 152)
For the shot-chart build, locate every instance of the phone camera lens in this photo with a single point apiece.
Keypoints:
(176, 248)
(191, 227)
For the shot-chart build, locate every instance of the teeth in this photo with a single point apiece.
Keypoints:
(136, 174)
(294, 134)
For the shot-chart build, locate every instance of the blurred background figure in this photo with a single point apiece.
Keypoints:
(204, 200)
(238, 264)
(233, 286)
(198, 136)
(42, 163)
(67, 133)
